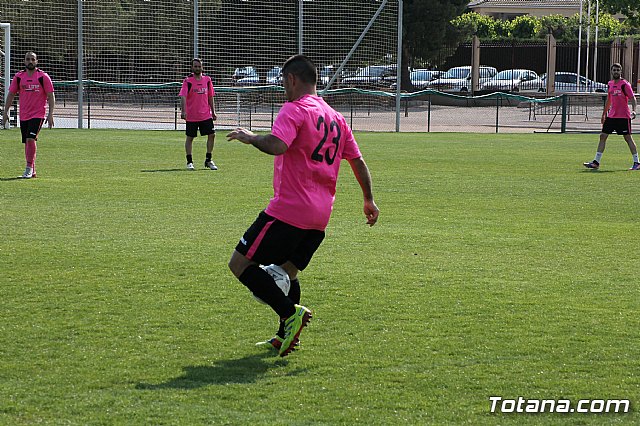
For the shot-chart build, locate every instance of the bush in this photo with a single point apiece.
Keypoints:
(525, 26)
(531, 27)
(554, 24)
(472, 23)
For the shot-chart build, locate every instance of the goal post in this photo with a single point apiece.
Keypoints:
(5, 76)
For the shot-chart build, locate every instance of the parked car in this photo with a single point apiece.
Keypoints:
(373, 76)
(420, 78)
(326, 73)
(509, 80)
(274, 76)
(245, 76)
(565, 82)
(458, 79)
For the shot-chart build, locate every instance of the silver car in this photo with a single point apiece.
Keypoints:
(458, 79)
(565, 82)
(509, 80)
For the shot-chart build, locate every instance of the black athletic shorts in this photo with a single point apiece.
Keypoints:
(621, 126)
(206, 128)
(30, 128)
(269, 240)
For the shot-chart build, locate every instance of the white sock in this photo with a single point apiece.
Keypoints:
(635, 158)
(598, 156)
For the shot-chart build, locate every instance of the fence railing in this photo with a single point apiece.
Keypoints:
(155, 106)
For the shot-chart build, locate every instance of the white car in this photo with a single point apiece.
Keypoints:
(274, 76)
(565, 82)
(458, 79)
(509, 80)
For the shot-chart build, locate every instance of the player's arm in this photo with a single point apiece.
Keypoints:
(634, 105)
(51, 100)
(361, 171)
(183, 114)
(213, 108)
(7, 107)
(607, 105)
(266, 143)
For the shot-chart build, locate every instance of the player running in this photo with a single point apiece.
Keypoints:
(308, 139)
(35, 89)
(617, 117)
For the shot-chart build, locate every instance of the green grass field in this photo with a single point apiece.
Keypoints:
(498, 267)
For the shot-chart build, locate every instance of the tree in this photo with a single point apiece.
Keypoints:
(426, 28)
(629, 8)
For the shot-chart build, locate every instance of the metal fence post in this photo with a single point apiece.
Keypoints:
(563, 122)
(175, 114)
(497, 111)
(80, 65)
(429, 115)
(399, 64)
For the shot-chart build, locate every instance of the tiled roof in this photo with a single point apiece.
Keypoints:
(525, 3)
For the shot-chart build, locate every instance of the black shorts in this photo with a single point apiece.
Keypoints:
(269, 240)
(621, 126)
(206, 128)
(30, 128)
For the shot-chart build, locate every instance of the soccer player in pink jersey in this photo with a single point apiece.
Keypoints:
(36, 91)
(308, 139)
(198, 110)
(617, 117)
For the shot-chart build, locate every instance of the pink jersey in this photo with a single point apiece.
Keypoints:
(197, 93)
(619, 92)
(305, 176)
(33, 93)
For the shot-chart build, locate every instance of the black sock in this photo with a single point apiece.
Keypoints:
(264, 287)
(208, 157)
(189, 159)
(294, 296)
(294, 291)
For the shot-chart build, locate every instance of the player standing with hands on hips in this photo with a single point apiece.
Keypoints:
(36, 91)
(617, 117)
(198, 110)
(308, 139)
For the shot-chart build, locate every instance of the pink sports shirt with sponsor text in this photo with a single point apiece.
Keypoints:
(33, 93)
(305, 176)
(619, 92)
(197, 92)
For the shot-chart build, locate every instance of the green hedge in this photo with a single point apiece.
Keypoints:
(536, 28)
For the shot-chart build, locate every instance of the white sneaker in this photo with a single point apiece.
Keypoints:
(190, 166)
(28, 173)
(211, 165)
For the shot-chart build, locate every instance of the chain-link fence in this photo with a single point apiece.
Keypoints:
(133, 56)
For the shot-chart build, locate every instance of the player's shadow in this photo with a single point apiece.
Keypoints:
(248, 369)
(166, 170)
(597, 172)
(11, 178)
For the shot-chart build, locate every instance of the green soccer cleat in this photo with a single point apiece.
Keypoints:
(292, 328)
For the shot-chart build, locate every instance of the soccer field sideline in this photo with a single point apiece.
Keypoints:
(499, 267)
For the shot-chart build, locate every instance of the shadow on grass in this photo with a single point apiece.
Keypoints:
(598, 171)
(167, 170)
(12, 178)
(248, 369)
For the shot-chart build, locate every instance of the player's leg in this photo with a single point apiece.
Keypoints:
(298, 261)
(191, 131)
(29, 130)
(595, 164)
(634, 151)
(266, 241)
(208, 129)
